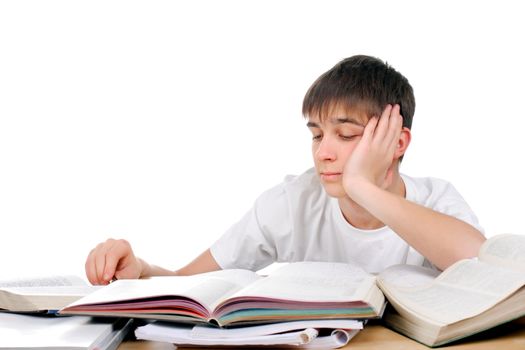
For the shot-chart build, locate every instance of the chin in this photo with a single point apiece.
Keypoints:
(334, 190)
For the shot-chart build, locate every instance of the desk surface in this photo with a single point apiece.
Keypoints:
(510, 336)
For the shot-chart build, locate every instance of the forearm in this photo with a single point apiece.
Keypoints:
(441, 238)
(203, 263)
(149, 270)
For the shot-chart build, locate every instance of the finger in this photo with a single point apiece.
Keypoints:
(96, 262)
(382, 127)
(100, 259)
(370, 127)
(116, 256)
(90, 268)
(394, 127)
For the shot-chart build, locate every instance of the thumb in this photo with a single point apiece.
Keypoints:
(128, 268)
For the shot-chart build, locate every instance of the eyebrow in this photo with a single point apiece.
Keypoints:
(342, 120)
(349, 120)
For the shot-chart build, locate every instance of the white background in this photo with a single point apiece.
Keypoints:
(162, 121)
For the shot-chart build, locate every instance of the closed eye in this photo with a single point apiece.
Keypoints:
(348, 137)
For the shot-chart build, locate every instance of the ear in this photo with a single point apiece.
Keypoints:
(403, 142)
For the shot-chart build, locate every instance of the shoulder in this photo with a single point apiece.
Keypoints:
(296, 193)
(304, 185)
(429, 190)
(439, 195)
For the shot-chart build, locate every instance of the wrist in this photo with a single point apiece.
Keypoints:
(144, 268)
(356, 187)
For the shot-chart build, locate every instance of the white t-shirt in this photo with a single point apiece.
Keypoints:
(298, 221)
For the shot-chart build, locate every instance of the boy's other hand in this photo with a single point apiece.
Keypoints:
(112, 259)
(372, 160)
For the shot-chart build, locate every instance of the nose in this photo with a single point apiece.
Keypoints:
(325, 150)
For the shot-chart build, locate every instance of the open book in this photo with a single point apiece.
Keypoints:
(468, 297)
(42, 294)
(297, 291)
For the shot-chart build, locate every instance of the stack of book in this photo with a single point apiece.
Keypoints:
(431, 307)
(28, 331)
(29, 319)
(311, 334)
(309, 304)
(318, 304)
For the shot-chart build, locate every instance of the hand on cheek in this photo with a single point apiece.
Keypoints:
(372, 160)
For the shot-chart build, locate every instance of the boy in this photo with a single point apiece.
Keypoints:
(353, 206)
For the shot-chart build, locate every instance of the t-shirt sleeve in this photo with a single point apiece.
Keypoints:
(449, 201)
(443, 197)
(249, 244)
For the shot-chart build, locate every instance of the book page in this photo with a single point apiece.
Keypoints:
(313, 282)
(204, 288)
(465, 289)
(505, 250)
(206, 331)
(301, 338)
(42, 293)
(336, 339)
(408, 276)
(52, 291)
(49, 281)
(180, 334)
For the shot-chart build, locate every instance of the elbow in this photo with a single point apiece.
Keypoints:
(468, 250)
(472, 249)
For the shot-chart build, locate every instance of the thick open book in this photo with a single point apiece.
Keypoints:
(42, 294)
(468, 297)
(297, 291)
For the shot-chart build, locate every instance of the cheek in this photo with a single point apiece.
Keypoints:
(315, 148)
(346, 151)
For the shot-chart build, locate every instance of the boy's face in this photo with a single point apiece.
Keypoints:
(333, 141)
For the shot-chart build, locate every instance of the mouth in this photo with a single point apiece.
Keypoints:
(330, 176)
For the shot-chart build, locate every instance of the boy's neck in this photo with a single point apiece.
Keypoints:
(359, 217)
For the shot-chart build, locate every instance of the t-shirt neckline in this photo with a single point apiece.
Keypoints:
(345, 225)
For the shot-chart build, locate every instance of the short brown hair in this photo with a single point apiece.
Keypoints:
(360, 82)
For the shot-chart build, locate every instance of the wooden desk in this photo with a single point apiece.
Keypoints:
(510, 336)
